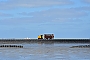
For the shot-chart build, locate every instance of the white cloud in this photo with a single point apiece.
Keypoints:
(32, 3)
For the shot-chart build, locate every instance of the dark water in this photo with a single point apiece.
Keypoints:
(45, 52)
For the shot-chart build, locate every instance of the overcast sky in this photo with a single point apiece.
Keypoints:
(30, 18)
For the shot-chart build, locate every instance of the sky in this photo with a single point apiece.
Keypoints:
(30, 18)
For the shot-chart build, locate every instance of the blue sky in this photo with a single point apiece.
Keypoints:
(29, 18)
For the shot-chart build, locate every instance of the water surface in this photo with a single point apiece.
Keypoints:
(39, 51)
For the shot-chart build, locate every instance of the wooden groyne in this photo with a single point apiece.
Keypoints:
(81, 46)
(17, 46)
(44, 41)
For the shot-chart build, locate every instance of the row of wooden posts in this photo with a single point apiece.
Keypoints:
(19, 46)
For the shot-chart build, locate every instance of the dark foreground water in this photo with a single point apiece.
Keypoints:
(39, 51)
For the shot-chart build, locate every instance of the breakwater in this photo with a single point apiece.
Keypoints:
(44, 41)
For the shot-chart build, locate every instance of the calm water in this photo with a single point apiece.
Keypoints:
(45, 52)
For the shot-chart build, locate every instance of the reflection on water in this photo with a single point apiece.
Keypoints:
(45, 52)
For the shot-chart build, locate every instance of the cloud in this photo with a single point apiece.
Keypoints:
(51, 15)
(22, 21)
(56, 13)
(84, 8)
(86, 1)
(32, 3)
(5, 15)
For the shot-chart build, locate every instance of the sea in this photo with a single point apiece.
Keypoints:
(42, 51)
